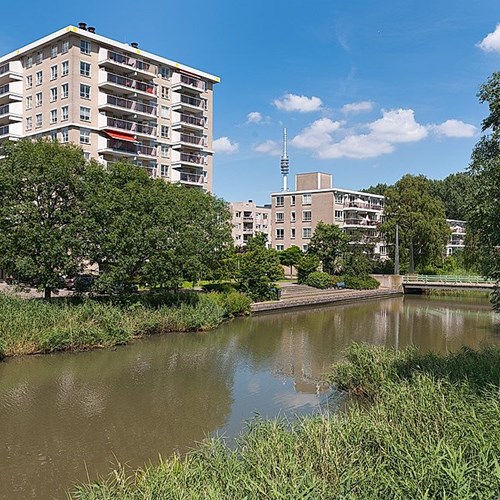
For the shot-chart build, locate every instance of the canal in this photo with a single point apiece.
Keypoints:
(69, 418)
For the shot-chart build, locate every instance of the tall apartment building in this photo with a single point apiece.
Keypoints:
(248, 220)
(295, 214)
(114, 99)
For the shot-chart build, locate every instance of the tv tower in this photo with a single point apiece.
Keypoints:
(285, 168)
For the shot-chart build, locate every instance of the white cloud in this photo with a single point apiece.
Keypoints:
(224, 145)
(317, 134)
(254, 117)
(398, 125)
(301, 103)
(268, 147)
(357, 107)
(454, 128)
(356, 146)
(491, 42)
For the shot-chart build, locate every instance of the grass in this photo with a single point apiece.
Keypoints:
(431, 430)
(37, 326)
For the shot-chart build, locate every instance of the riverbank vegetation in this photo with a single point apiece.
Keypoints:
(38, 326)
(422, 426)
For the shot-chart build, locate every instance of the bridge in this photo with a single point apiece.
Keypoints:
(414, 282)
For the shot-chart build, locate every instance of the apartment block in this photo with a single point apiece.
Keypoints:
(248, 219)
(457, 238)
(295, 214)
(114, 99)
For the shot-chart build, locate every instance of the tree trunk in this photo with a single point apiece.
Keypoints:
(47, 291)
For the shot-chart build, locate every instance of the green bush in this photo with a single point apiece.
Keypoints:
(234, 303)
(307, 265)
(219, 287)
(318, 279)
(360, 282)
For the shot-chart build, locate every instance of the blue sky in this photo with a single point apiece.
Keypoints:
(368, 90)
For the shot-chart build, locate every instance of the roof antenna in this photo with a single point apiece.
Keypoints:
(285, 168)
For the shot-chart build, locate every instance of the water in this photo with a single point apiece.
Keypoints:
(68, 417)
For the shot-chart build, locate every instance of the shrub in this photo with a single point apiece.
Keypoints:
(360, 282)
(234, 303)
(307, 265)
(318, 279)
(219, 287)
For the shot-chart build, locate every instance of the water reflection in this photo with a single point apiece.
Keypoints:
(66, 416)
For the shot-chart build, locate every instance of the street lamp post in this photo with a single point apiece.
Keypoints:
(396, 252)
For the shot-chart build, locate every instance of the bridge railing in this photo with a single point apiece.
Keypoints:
(446, 279)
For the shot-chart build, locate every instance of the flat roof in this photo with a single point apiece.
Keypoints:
(109, 41)
(328, 190)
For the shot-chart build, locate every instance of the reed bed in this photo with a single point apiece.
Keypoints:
(431, 430)
(37, 326)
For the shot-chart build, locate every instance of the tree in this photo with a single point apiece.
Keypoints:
(328, 243)
(454, 191)
(423, 230)
(259, 269)
(379, 188)
(291, 256)
(483, 212)
(40, 211)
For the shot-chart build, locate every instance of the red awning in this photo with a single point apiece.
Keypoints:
(121, 136)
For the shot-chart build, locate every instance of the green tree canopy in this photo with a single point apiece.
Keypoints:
(291, 256)
(41, 190)
(423, 230)
(328, 243)
(454, 191)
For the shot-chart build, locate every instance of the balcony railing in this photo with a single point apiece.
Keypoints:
(130, 83)
(138, 107)
(128, 61)
(4, 110)
(4, 89)
(129, 126)
(131, 148)
(361, 222)
(193, 139)
(193, 82)
(193, 101)
(4, 69)
(192, 178)
(359, 204)
(4, 130)
(192, 120)
(189, 158)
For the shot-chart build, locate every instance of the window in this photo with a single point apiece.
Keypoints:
(85, 47)
(53, 72)
(238, 215)
(280, 217)
(53, 94)
(306, 216)
(164, 92)
(64, 113)
(305, 247)
(84, 136)
(29, 81)
(165, 150)
(64, 135)
(163, 170)
(164, 131)
(29, 102)
(65, 68)
(164, 72)
(53, 116)
(38, 77)
(164, 111)
(339, 215)
(29, 61)
(39, 57)
(53, 51)
(280, 234)
(292, 233)
(53, 135)
(306, 232)
(38, 99)
(383, 250)
(339, 199)
(84, 68)
(280, 201)
(64, 90)
(86, 155)
(64, 46)
(84, 114)
(292, 216)
(84, 91)
(280, 247)
(38, 120)
(292, 200)
(29, 123)
(306, 199)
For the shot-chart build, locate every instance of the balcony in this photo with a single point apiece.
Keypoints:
(361, 205)
(118, 83)
(189, 121)
(8, 75)
(7, 95)
(189, 103)
(129, 126)
(361, 222)
(126, 148)
(187, 82)
(4, 131)
(128, 106)
(190, 160)
(7, 115)
(193, 141)
(194, 179)
(122, 61)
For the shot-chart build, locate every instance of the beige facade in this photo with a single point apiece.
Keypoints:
(114, 100)
(248, 219)
(295, 214)
(457, 238)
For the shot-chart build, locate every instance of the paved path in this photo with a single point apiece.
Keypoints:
(293, 295)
